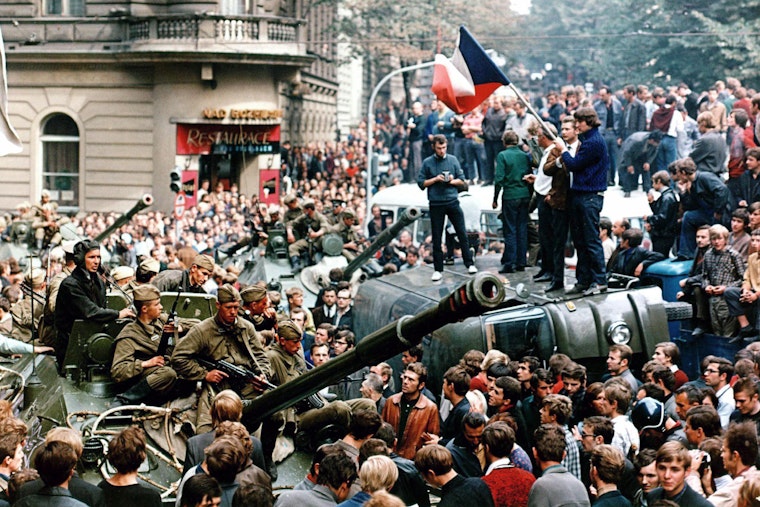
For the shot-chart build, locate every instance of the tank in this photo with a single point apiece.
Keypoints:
(480, 294)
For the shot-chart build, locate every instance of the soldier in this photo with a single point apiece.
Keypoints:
(293, 210)
(47, 222)
(48, 333)
(221, 337)
(122, 275)
(288, 364)
(310, 226)
(189, 280)
(338, 207)
(257, 308)
(351, 239)
(82, 296)
(135, 359)
(146, 272)
(23, 320)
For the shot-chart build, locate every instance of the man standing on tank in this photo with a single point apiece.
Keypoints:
(442, 175)
(589, 169)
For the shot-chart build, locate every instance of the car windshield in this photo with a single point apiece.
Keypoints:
(519, 332)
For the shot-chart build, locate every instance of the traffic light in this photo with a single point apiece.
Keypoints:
(176, 179)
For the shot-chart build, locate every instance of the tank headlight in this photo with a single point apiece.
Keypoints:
(619, 333)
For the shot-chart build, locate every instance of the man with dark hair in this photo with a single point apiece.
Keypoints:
(512, 167)
(556, 486)
(637, 156)
(509, 485)
(634, 114)
(607, 464)
(739, 456)
(663, 377)
(466, 446)
(456, 383)
(525, 368)
(82, 296)
(632, 259)
(200, 490)
(618, 364)
(337, 473)
(188, 280)
(574, 382)
(557, 409)
(435, 464)
(589, 169)
(646, 475)
(610, 113)
(747, 402)
(308, 483)
(718, 375)
(411, 414)
(410, 486)
(597, 431)
(442, 176)
(325, 313)
(662, 224)
(687, 397)
(541, 384)
(364, 424)
(703, 198)
(55, 462)
(702, 422)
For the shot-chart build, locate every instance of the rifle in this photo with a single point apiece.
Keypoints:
(242, 375)
(165, 337)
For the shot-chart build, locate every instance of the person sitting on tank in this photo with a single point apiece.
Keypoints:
(226, 337)
(345, 228)
(188, 280)
(82, 296)
(56, 463)
(24, 322)
(311, 421)
(47, 222)
(257, 307)
(136, 361)
(145, 273)
(632, 259)
(310, 227)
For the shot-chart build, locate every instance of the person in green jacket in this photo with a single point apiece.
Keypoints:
(512, 167)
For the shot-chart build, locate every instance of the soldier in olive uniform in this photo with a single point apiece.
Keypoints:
(338, 207)
(257, 308)
(22, 311)
(47, 222)
(135, 358)
(146, 272)
(188, 280)
(293, 210)
(223, 336)
(286, 358)
(47, 332)
(310, 227)
(351, 240)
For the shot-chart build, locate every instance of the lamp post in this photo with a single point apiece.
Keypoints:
(371, 119)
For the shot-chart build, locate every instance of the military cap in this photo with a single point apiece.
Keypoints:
(338, 202)
(122, 272)
(150, 265)
(349, 213)
(45, 193)
(253, 294)
(204, 261)
(290, 198)
(227, 294)
(288, 330)
(146, 292)
(274, 209)
(35, 277)
(308, 203)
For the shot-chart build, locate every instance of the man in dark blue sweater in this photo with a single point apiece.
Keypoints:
(589, 181)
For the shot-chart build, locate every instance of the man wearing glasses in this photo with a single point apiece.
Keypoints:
(344, 317)
(596, 431)
(718, 375)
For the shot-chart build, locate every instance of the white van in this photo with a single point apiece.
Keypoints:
(394, 200)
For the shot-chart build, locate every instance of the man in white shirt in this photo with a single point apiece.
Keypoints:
(718, 375)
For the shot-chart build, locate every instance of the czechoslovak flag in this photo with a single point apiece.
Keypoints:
(469, 77)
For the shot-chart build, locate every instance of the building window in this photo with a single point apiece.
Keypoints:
(64, 7)
(235, 7)
(60, 161)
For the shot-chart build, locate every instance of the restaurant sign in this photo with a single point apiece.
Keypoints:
(204, 139)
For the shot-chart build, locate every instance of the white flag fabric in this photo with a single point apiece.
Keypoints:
(9, 140)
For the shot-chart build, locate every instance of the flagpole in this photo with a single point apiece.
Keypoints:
(371, 119)
(532, 111)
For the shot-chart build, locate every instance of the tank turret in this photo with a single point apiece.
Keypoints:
(479, 294)
(382, 239)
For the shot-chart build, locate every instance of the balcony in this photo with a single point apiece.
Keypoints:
(243, 36)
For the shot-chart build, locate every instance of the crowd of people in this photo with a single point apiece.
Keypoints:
(503, 431)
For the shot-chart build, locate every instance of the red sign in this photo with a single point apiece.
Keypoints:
(190, 187)
(203, 139)
(179, 205)
(269, 186)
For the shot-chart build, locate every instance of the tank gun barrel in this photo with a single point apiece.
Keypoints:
(382, 239)
(143, 203)
(481, 293)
